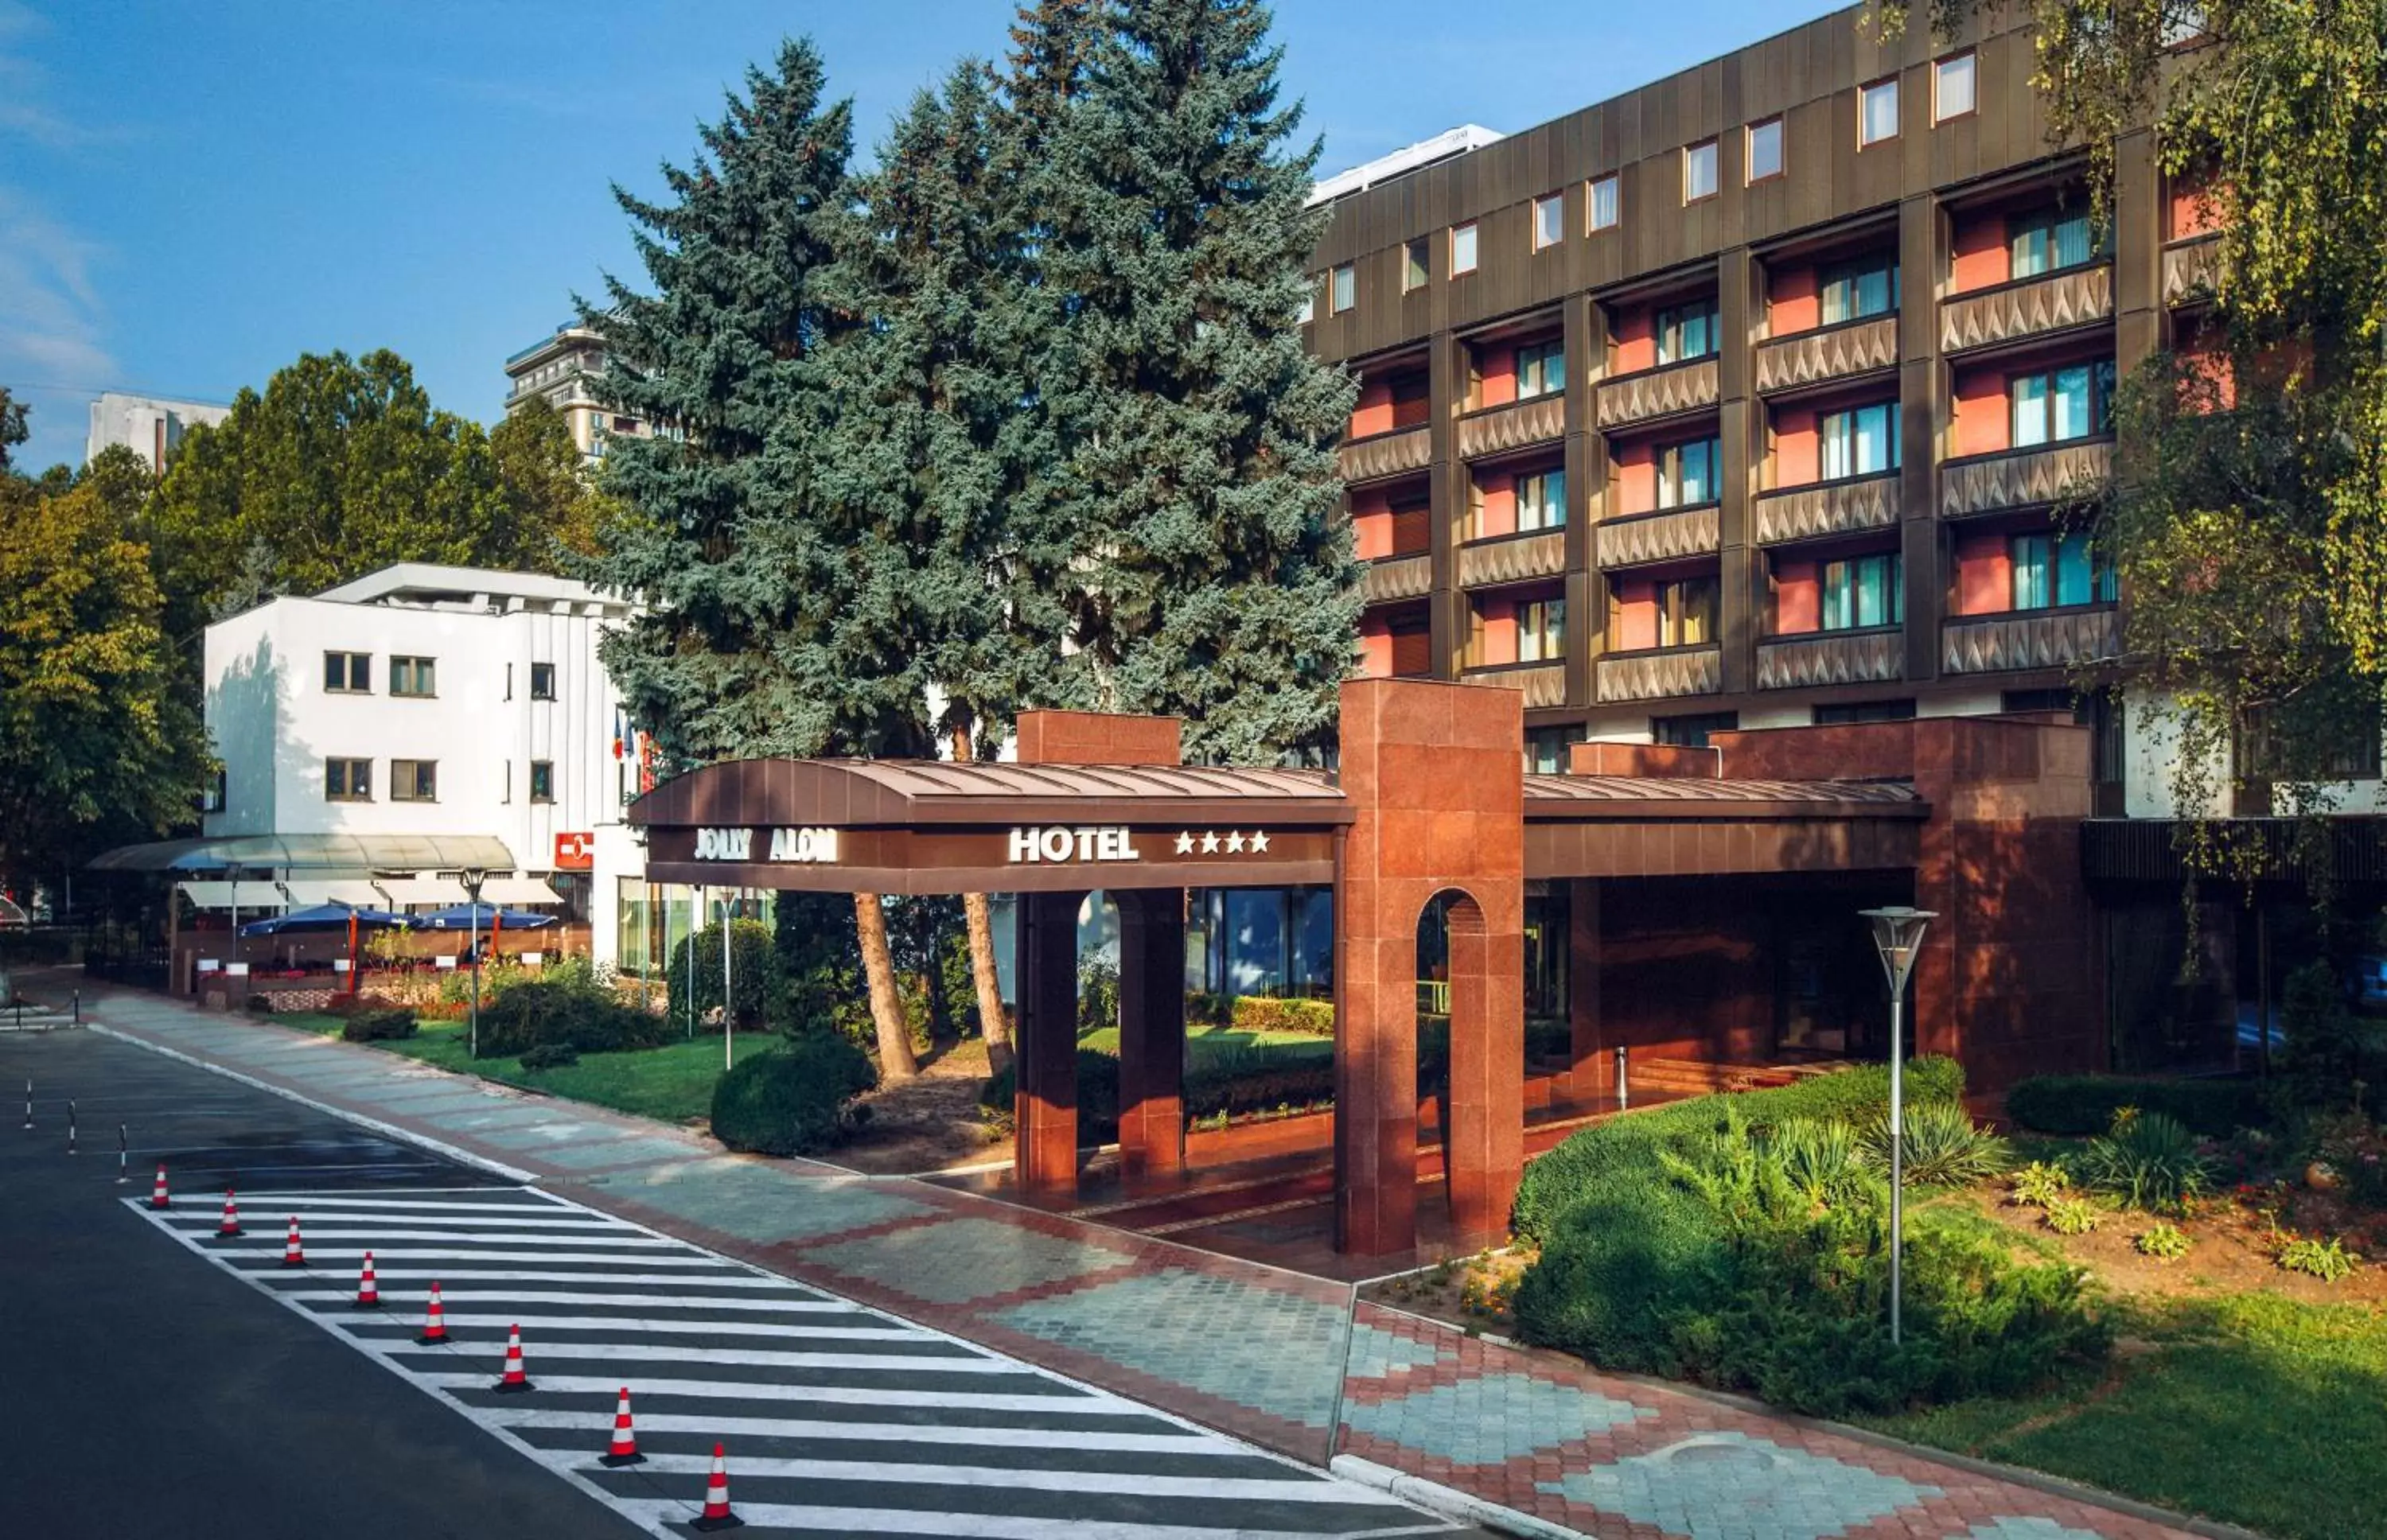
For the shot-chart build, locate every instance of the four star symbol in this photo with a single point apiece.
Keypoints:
(1259, 842)
(1234, 842)
(1185, 844)
(1209, 842)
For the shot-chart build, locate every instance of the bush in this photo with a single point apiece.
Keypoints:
(2164, 1243)
(755, 974)
(1098, 1094)
(2081, 1105)
(2150, 1161)
(792, 1100)
(2073, 1216)
(377, 1023)
(2327, 1260)
(1822, 1157)
(1263, 1012)
(2039, 1184)
(1098, 994)
(584, 1015)
(1552, 1184)
(551, 1056)
(1631, 1250)
(1942, 1147)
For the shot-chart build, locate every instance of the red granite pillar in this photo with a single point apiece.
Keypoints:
(1152, 1032)
(1044, 1105)
(1585, 1073)
(1483, 1117)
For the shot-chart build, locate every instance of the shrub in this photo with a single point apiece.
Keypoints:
(2163, 1242)
(2080, 1105)
(2327, 1260)
(756, 974)
(792, 1100)
(1262, 1013)
(587, 1015)
(1098, 994)
(1553, 1183)
(1943, 1146)
(1822, 1157)
(1631, 1250)
(2150, 1161)
(378, 1024)
(2073, 1216)
(1098, 1094)
(2039, 1184)
(551, 1056)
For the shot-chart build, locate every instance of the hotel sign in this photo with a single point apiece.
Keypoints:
(811, 845)
(1059, 844)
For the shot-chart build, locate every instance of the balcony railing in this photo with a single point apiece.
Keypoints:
(2190, 268)
(1662, 392)
(1513, 559)
(1542, 684)
(1397, 577)
(1387, 454)
(1650, 538)
(1831, 658)
(2039, 639)
(1656, 675)
(1839, 506)
(1830, 353)
(1541, 420)
(2024, 478)
(2073, 297)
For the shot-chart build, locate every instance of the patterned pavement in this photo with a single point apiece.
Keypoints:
(1285, 1360)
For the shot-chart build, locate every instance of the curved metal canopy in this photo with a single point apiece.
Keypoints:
(312, 853)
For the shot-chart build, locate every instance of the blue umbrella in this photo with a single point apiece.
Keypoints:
(480, 916)
(320, 916)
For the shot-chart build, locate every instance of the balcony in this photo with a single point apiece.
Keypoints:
(1842, 507)
(1831, 658)
(2024, 478)
(1657, 675)
(1647, 537)
(1497, 430)
(1660, 392)
(1542, 684)
(2029, 308)
(1831, 353)
(1397, 577)
(2191, 269)
(1387, 454)
(1511, 558)
(2034, 639)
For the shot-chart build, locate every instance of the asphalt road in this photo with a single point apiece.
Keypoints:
(142, 1395)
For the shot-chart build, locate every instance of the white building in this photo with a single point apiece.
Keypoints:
(150, 428)
(433, 700)
(561, 368)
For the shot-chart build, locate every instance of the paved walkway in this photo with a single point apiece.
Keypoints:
(1287, 1361)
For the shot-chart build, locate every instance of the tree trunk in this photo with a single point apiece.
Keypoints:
(895, 1060)
(980, 923)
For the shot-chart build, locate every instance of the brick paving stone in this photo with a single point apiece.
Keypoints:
(953, 1261)
(2026, 1529)
(1730, 1486)
(1376, 1353)
(1489, 1419)
(765, 1204)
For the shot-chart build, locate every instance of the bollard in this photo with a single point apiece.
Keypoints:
(1624, 1091)
(71, 1127)
(78, 1007)
(29, 1101)
(123, 1151)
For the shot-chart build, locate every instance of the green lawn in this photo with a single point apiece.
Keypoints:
(670, 1084)
(1214, 1040)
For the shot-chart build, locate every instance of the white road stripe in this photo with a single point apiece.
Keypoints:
(1183, 1441)
(351, 1254)
(501, 1200)
(532, 1322)
(724, 1390)
(720, 1281)
(1292, 1488)
(253, 1214)
(991, 1526)
(630, 1353)
(453, 1296)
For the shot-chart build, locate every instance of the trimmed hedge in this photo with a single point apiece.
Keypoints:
(2083, 1106)
(1226, 1083)
(1098, 1094)
(590, 1019)
(1262, 1013)
(792, 1100)
(1572, 1173)
(377, 1023)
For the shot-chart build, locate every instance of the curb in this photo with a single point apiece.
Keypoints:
(1449, 1502)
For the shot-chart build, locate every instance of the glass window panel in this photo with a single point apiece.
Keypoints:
(2029, 392)
(2071, 416)
(1603, 203)
(2030, 572)
(1413, 265)
(1765, 150)
(1835, 608)
(1462, 249)
(2069, 243)
(1872, 591)
(1550, 221)
(1698, 171)
(1878, 112)
(1346, 287)
(1955, 87)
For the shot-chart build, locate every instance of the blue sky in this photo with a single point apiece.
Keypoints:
(193, 194)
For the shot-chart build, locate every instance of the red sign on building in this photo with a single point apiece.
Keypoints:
(575, 853)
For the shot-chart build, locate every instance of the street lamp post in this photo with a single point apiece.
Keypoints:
(474, 878)
(1897, 933)
(729, 1000)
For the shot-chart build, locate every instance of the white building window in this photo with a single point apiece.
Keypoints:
(1346, 287)
(1878, 112)
(1764, 149)
(1462, 249)
(1550, 221)
(1605, 208)
(1952, 87)
(1699, 171)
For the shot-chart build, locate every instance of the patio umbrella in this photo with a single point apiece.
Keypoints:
(480, 916)
(320, 916)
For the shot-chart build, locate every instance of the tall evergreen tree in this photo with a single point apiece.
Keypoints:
(745, 644)
(1213, 576)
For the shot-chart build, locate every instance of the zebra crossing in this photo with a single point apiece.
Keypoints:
(26, 1016)
(839, 1419)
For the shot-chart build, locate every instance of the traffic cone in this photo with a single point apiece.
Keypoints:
(230, 1225)
(716, 1514)
(293, 1254)
(625, 1447)
(158, 1198)
(435, 1324)
(368, 1292)
(513, 1381)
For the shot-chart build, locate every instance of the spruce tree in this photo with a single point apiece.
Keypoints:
(1213, 576)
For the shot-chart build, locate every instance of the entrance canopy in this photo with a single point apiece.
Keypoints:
(312, 853)
(917, 826)
(1680, 826)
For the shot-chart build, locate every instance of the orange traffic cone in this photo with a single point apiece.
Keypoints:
(230, 1225)
(435, 1325)
(158, 1198)
(293, 1254)
(625, 1447)
(513, 1381)
(716, 1514)
(368, 1292)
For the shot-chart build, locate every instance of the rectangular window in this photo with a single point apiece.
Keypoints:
(1764, 149)
(2054, 570)
(1545, 749)
(542, 780)
(1687, 472)
(1852, 291)
(1347, 288)
(1699, 171)
(1687, 609)
(1859, 441)
(1859, 591)
(1692, 731)
(1952, 87)
(1414, 271)
(1412, 400)
(1604, 206)
(1550, 221)
(415, 780)
(1541, 631)
(2183, 25)
(1865, 711)
(2061, 404)
(1688, 331)
(1878, 112)
(415, 677)
(542, 681)
(2047, 242)
(348, 780)
(1308, 312)
(347, 673)
(2351, 752)
(1541, 499)
(1541, 369)
(1462, 249)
